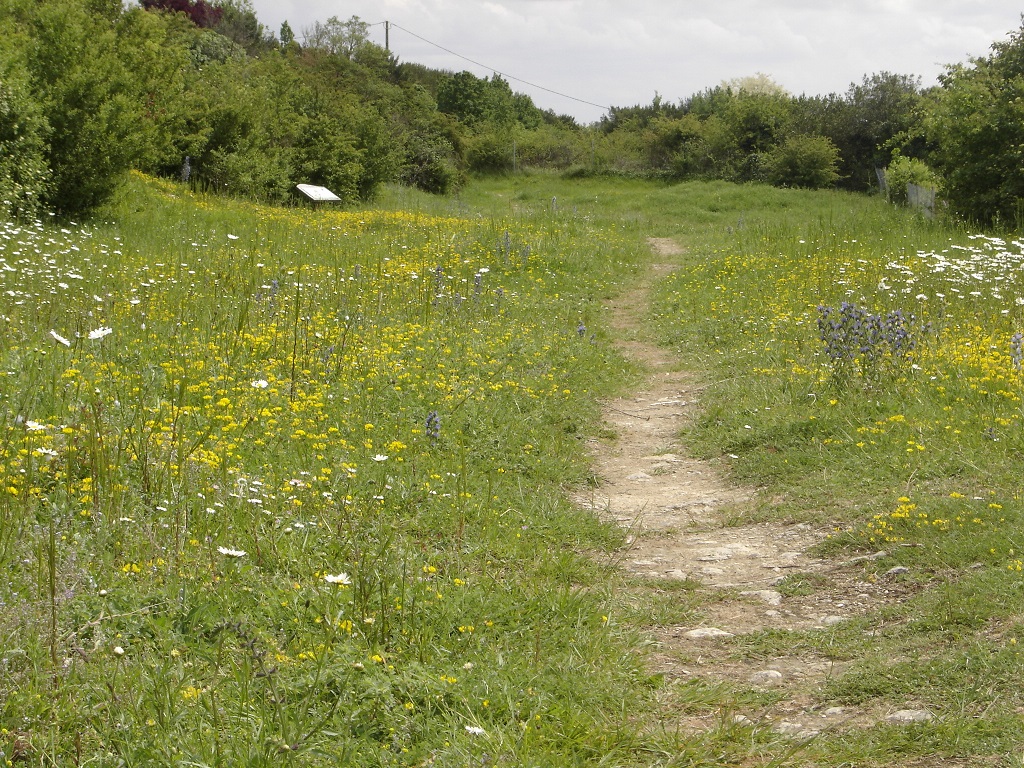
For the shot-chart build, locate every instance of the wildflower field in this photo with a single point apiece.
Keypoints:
(864, 369)
(895, 357)
(283, 486)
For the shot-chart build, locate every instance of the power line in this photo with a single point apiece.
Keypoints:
(389, 24)
(495, 71)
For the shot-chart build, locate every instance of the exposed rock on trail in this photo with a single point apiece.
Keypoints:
(675, 506)
(682, 516)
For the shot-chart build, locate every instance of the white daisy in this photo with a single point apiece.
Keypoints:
(60, 338)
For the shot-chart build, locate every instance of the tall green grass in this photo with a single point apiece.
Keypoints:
(915, 454)
(382, 410)
(287, 486)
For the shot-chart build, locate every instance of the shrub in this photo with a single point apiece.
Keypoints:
(489, 152)
(251, 172)
(429, 166)
(23, 168)
(803, 161)
(908, 170)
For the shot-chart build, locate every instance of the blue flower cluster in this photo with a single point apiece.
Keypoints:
(861, 342)
(433, 426)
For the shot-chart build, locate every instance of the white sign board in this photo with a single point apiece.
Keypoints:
(319, 194)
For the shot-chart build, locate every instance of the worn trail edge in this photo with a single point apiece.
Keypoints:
(686, 521)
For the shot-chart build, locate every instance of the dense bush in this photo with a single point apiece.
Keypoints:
(23, 133)
(907, 170)
(429, 166)
(803, 161)
(92, 88)
(549, 146)
(490, 151)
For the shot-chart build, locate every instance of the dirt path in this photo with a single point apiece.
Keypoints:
(685, 522)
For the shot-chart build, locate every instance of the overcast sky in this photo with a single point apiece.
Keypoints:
(621, 52)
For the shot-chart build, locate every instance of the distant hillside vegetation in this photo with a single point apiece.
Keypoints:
(201, 90)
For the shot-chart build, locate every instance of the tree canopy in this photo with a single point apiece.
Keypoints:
(90, 89)
(976, 123)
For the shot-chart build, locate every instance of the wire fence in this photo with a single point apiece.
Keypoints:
(917, 197)
(921, 198)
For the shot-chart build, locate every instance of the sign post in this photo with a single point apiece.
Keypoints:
(317, 194)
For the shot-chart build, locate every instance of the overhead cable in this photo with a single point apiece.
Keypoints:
(498, 72)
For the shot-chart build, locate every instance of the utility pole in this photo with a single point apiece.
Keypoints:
(387, 36)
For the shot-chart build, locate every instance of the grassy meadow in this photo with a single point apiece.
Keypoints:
(864, 371)
(284, 486)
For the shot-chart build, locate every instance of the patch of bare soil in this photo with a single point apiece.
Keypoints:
(681, 514)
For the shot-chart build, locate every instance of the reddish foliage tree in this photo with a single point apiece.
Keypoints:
(199, 12)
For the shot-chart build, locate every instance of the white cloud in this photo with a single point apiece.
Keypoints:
(615, 53)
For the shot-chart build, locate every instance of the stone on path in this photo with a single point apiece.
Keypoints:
(707, 632)
(766, 677)
(909, 716)
(796, 730)
(769, 596)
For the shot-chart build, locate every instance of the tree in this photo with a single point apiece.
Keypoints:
(88, 97)
(238, 22)
(759, 84)
(338, 38)
(199, 12)
(875, 118)
(157, 50)
(286, 34)
(464, 96)
(976, 120)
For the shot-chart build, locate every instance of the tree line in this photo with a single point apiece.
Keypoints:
(201, 90)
